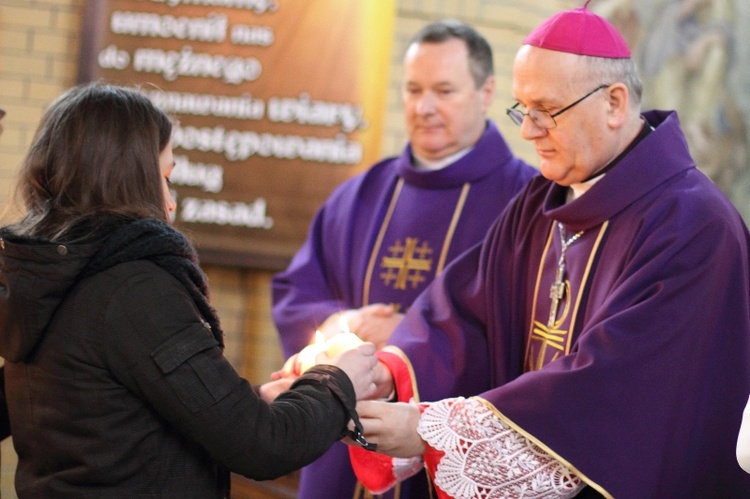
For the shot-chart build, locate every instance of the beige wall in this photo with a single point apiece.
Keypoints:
(39, 42)
(38, 53)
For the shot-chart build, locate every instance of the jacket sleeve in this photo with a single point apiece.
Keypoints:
(162, 350)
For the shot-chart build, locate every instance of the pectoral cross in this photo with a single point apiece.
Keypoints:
(556, 293)
(557, 290)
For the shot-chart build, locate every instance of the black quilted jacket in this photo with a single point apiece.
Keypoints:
(115, 382)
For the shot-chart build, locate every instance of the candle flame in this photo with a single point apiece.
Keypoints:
(344, 324)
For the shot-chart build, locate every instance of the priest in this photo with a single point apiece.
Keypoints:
(597, 343)
(385, 234)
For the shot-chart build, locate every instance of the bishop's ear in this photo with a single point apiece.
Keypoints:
(618, 98)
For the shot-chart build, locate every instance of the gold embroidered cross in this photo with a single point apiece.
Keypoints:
(541, 339)
(406, 263)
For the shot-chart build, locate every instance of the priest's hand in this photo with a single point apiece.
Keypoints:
(373, 323)
(384, 386)
(392, 426)
(359, 363)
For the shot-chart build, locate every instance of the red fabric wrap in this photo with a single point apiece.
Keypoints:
(374, 470)
(400, 373)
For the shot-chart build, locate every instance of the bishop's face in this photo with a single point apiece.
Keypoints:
(581, 143)
(444, 110)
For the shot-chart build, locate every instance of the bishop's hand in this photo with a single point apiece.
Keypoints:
(392, 426)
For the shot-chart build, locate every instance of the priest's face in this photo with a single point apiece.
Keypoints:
(444, 110)
(581, 142)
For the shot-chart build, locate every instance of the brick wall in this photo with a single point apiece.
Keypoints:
(38, 60)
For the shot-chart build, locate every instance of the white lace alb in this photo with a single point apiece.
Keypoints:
(485, 458)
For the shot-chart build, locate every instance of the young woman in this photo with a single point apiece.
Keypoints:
(115, 382)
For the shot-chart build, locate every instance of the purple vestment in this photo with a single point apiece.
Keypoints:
(381, 238)
(641, 382)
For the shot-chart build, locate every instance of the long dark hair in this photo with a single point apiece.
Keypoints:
(95, 156)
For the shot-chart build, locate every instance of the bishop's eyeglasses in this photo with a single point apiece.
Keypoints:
(544, 119)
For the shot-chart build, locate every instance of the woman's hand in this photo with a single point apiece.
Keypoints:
(358, 362)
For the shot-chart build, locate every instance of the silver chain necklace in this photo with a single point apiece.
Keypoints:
(557, 290)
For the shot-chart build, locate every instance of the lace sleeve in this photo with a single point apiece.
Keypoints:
(484, 458)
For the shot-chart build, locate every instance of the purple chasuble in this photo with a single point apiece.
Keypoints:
(357, 253)
(329, 272)
(411, 252)
(557, 302)
(644, 393)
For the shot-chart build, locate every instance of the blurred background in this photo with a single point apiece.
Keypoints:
(692, 55)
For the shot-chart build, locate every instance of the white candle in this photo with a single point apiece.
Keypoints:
(344, 324)
(307, 356)
(343, 340)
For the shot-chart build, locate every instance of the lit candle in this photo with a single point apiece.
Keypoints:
(306, 358)
(343, 340)
(344, 324)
